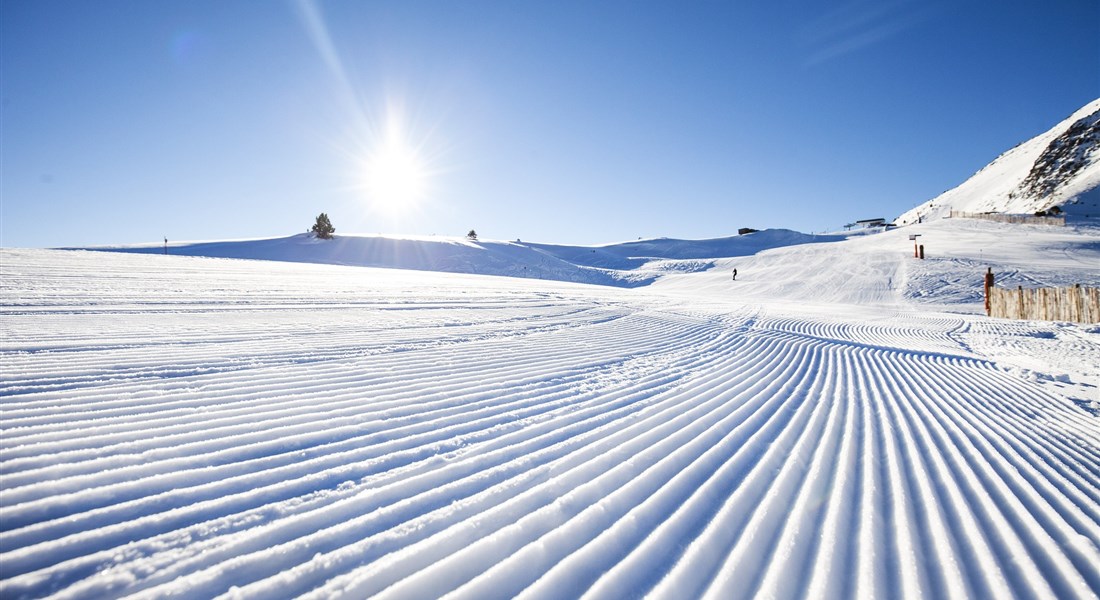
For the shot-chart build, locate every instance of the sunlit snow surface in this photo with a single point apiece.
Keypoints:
(838, 422)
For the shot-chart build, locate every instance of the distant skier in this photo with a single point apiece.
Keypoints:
(735, 274)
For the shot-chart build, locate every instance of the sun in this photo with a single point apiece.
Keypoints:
(394, 175)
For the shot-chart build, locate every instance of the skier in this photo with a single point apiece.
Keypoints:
(735, 274)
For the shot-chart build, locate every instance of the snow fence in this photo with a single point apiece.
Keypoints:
(1014, 219)
(1077, 304)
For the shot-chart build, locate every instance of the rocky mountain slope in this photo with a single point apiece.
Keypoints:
(1058, 168)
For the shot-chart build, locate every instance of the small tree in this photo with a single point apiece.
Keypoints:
(472, 235)
(323, 227)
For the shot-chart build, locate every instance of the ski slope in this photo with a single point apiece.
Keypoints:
(627, 264)
(838, 422)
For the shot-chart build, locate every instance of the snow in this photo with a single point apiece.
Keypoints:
(840, 421)
(628, 264)
(999, 187)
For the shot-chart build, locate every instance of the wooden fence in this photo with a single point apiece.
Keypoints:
(1015, 219)
(1077, 304)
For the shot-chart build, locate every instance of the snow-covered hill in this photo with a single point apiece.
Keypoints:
(836, 423)
(629, 264)
(1060, 167)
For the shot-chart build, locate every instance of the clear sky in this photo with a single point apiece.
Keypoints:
(569, 122)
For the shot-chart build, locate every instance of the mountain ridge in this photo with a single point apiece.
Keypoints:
(1057, 168)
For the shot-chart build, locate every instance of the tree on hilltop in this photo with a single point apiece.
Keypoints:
(472, 235)
(323, 227)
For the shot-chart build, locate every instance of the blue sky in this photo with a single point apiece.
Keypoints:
(569, 122)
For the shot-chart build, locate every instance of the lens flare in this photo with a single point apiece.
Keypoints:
(393, 161)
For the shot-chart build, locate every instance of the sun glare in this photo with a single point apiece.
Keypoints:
(395, 178)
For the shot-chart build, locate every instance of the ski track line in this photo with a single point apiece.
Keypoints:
(262, 430)
(701, 560)
(379, 369)
(572, 503)
(353, 409)
(806, 449)
(1011, 489)
(641, 569)
(596, 517)
(174, 481)
(250, 362)
(270, 471)
(776, 479)
(1084, 565)
(492, 493)
(801, 384)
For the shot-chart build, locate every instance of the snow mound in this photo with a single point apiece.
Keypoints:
(629, 264)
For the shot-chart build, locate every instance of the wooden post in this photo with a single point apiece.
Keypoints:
(1078, 312)
(988, 290)
(922, 251)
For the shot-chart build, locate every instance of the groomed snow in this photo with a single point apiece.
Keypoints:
(628, 264)
(840, 421)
